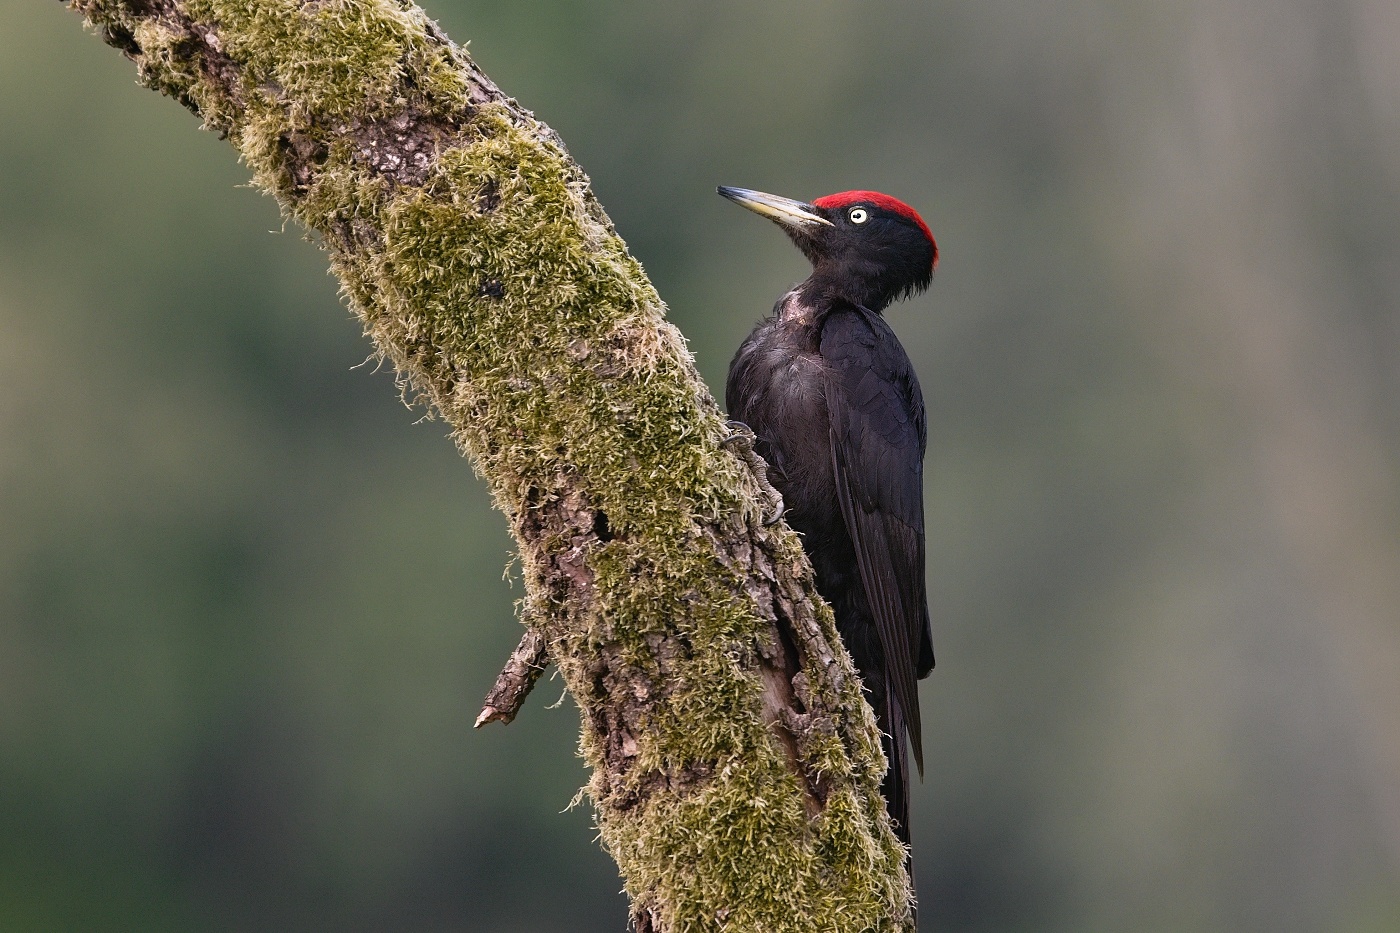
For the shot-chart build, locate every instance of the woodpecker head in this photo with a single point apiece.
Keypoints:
(865, 247)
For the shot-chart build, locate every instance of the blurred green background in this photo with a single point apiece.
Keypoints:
(249, 603)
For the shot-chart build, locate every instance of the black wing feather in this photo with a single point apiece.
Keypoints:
(878, 434)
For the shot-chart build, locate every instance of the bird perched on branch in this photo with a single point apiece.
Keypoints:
(837, 413)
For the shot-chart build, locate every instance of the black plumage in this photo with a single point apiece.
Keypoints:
(837, 413)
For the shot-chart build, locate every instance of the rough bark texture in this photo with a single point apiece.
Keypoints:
(735, 769)
(527, 662)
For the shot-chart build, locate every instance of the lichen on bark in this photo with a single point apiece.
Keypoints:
(735, 768)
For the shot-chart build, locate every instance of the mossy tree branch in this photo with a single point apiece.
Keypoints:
(735, 768)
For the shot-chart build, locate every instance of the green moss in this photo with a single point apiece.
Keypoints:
(636, 436)
(332, 59)
(738, 831)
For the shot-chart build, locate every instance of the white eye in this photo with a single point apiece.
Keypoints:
(858, 215)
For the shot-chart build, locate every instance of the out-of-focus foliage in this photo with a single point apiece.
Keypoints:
(248, 605)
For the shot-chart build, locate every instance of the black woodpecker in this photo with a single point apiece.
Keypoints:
(837, 413)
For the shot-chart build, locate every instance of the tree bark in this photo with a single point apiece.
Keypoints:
(735, 767)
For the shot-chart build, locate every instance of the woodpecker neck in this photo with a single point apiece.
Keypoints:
(827, 288)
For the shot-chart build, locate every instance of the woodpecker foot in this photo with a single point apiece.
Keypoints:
(741, 436)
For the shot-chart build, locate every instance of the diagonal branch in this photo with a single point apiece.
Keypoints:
(735, 768)
(524, 667)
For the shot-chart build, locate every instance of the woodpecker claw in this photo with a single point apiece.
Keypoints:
(777, 516)
(738, 431)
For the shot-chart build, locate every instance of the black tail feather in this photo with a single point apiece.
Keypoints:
(896, 784)
(895, 787)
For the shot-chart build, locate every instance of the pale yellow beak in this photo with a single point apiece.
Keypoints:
(785, 211)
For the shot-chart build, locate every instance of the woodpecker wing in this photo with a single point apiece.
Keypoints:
(878, 435)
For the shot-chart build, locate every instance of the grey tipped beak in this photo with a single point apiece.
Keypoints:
(785, 211)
